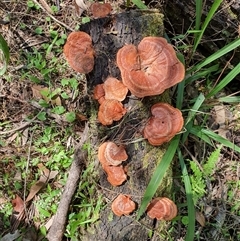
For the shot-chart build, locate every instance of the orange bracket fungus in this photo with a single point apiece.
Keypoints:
(111, 154)
(114, 89)
(79, 52)
(165, 123)
(110, 110)
(162, 208)
(100, 10)
(115, 174)
(123, 205)
(150, 68)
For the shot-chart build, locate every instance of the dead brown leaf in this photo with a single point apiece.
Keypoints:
(200, 218)
(18, 204)
(46, 175)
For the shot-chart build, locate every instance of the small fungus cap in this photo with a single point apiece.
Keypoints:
(114, 89)
(100, 10)
(79, 52)
(165, 123)
(109, 111)
(123, 205)
(150, 68)
(162, 208)
(115, 174)
(111, 154)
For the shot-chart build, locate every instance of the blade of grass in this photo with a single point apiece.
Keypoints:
(190, 204)
(191, 114)
(180, 94)
(202, 74)
(226, 80)
(158, 175)
(197, 131)
(198, 103)
(221, 140)
(229, 99)
(198, 18)
(4, 55)
(231, 46)
(210, 14)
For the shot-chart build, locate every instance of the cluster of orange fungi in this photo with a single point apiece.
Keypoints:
(148, 69)
(109, 95)
(111, 157)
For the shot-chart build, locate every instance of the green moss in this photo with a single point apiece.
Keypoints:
(154, 23)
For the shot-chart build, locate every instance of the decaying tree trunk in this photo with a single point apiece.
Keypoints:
(109, 34)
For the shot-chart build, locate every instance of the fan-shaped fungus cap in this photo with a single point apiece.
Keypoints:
(99, 93)
(165, 123)
(162, 209)
(150, 68)
(99, 10)
(123, 205)
(114, 89)
(109, 111)
(115, 174)
(111, 154)
(79, 52)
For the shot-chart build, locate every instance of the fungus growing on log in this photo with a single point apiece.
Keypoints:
(100, 10)
(150, 68)
(123, 205)
(109, 111)
(115, 174)
(165, 123)
(111, 154)
(79, 52)
(114, 89)
(99, 93)
(162, 208)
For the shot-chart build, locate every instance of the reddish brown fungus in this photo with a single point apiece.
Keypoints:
(165, 123)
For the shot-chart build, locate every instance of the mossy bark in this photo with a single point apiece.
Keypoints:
(110, 34)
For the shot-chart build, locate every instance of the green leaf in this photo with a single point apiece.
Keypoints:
(190, 204)
(226, 49)
(58, 110)
(158, 175)
(210, 164)
(139, 4)
(221, 140)
(211, 12)
(4, 55)
(197, 131)
(70, 116)
(198, 103)
(85, 19)
(42, 116)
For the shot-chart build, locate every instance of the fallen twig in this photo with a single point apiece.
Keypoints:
(57, 229)
(52, 17)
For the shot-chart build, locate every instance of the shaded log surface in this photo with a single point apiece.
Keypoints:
(222, 29)
(109, 34)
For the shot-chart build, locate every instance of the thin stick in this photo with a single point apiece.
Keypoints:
(58, 227)
(52, 17)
